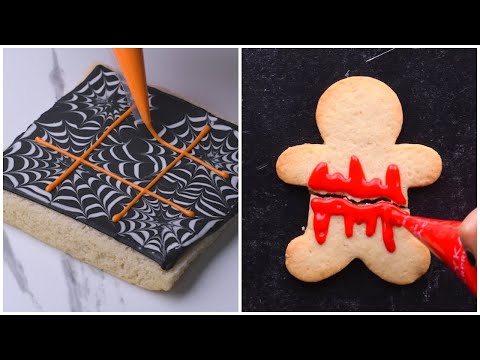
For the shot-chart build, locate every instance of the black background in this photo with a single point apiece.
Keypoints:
(281, 88)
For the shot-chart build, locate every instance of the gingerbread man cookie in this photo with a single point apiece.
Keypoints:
(354, 177)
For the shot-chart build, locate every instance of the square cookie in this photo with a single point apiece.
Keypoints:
(153, 243)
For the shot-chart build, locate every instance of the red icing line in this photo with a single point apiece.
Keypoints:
(323, 209)
(356, 185)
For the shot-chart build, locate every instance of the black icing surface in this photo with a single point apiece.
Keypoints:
(154, 229)
(281, 88)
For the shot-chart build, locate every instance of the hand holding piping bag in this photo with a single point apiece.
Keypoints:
(446, 239)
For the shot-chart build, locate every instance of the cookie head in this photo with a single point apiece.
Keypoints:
(361, 110)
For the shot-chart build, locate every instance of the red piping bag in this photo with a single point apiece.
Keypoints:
(443, 239)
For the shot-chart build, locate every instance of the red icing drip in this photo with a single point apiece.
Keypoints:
(356, 184)
(323, 209)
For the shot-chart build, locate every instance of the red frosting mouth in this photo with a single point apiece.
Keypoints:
(323, 209)
(357, 186)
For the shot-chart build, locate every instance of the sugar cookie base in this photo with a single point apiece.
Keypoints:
(94, 247)
(359, 116)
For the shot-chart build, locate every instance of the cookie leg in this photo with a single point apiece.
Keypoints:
(310, 262)
(407, 263)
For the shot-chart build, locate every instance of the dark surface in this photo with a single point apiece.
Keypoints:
(281, 89)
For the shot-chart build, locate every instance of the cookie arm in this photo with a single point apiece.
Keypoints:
(296, 164)
(421, 165)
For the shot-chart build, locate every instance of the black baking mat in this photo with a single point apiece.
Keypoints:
(152, 228)
(281, 88)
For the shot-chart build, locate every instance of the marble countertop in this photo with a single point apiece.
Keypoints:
(38, 277)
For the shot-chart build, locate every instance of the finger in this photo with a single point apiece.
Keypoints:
(468, 235)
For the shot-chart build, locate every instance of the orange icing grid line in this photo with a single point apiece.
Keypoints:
(200, 136)
(115, 176)
(143, 191)
(72, 167)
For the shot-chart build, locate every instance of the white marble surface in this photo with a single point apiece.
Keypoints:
(40, 278)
